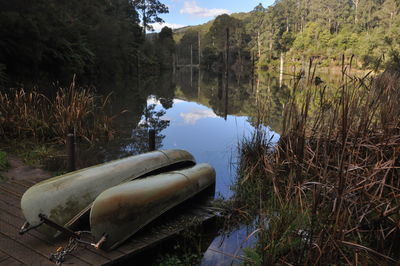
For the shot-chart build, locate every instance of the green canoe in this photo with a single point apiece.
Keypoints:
(121, 211)
(64, 199)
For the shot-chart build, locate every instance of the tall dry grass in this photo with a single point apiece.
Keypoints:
(31, 114)
(333, 180)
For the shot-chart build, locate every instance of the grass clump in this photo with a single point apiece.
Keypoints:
(328, 192)
(4, 164)
(31, 114)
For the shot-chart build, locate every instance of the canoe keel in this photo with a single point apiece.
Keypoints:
(122, 196)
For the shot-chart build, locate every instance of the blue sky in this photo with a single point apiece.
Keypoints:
(194, 12)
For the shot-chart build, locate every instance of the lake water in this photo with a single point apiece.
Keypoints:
(204, 114)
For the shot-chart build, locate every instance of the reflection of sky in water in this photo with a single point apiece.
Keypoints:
(211, 139)
(196, 114)
(214, 140)
(226, 249)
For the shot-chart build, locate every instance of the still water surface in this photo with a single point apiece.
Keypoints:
(204, 114)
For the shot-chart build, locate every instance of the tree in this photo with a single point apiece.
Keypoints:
(149, 10)
(388, 12)
(257, 19)
(56, 39)
(165, 48)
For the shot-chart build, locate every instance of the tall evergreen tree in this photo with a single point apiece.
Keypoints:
(149, 10)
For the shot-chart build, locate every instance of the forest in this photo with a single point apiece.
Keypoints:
(316, 180)
(100, 39)
(52, 40)
(298, 30)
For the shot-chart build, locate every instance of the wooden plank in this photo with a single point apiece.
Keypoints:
(18, 186)
(156, 233)
(11, 262)
(28, 182)
(5, 190)
(14, 212)
(49, 246)
(32, 244)
(21, 182)
(3, 256)
(21, 252)
(6, 207)
(10, 198)
(13, 216)
(13, 188)
(111, 255)
(132, 246)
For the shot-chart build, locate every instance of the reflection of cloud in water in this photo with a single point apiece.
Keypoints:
(153, 100)
(192, 117)
(179, 101)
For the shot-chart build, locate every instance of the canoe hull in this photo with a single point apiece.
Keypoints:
(121, 211)
(65, 198)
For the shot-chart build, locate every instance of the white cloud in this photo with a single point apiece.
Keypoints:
(192, 8)
(191, 118)
(158, 26)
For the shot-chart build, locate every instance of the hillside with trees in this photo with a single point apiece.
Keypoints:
(301, 29)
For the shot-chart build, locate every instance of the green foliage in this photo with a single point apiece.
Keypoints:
(4, 164)
(55, 39)
(312, 34)
(3, 161)
(165, 48)
(30, 114)
(252, 257)
(36, 154)
(306, 28)
(149, 10)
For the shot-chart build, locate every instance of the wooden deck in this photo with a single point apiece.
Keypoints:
(33, 248)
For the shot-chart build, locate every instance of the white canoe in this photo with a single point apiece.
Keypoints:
(64, 199)
(121, 211)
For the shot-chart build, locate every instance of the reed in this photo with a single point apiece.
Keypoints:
(331, 186)
(30, 114)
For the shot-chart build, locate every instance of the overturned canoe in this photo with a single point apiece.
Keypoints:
(64, 199)
(121, 211)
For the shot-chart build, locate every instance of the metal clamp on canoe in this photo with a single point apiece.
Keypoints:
(58, 227)
(69, 232)
(27, 227)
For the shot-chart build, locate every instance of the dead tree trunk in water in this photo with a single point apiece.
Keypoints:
(226, 73)
(227, 52)
(281, 71)
(258, 44)
(191, 55)
(199, 52)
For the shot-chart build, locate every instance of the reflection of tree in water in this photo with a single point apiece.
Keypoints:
(167, 103)
(151, 119)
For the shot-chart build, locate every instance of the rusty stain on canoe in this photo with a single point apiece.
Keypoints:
(65, 198)
(121, 211)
